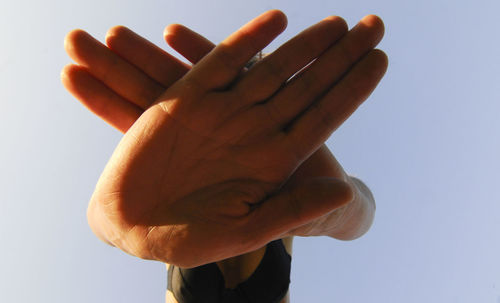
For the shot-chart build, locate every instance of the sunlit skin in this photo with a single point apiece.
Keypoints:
(120, 91)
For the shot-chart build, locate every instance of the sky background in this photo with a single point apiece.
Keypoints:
(426, 142)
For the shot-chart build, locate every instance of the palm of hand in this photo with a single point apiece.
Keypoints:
(207, 169)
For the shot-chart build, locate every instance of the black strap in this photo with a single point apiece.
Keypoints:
(268, 284)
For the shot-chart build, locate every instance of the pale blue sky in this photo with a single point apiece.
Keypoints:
(427, 143)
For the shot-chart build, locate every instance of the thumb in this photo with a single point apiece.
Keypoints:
(296, 206)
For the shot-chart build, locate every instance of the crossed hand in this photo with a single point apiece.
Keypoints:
(201, 172)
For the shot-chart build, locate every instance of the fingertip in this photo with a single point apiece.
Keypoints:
(66, 70)
(278, 17)
(337, 21)
(68, 73)
(380, 62)
(382, 56)
(172, 29)
(75, 77)
(116, 33)
(79, 45)
(73, 39)
(374, 21)
(172, 32)
(72, 78)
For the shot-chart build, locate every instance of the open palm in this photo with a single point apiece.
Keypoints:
(201, 169)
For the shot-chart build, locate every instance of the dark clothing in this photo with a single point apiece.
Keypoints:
(205, 284)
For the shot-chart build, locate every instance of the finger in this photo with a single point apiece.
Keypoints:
(113, 71)
(268, 75)
(221, 66)
(316, 124)
(99, 99)
(188, 43)
(296, 207)
(154, 62)
(314, 81)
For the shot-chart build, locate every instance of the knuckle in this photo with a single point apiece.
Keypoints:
(275, 68)
(273, 112)
(227, 59)
(308, 83)
(324, 116)
(148, 93)
(346, 53)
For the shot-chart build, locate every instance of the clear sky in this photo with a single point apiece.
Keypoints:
(427, 143)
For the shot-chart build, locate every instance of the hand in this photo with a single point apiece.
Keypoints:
(98, 82)
(274, 179)
(130, 62)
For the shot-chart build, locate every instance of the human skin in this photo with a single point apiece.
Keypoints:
(371, 28)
